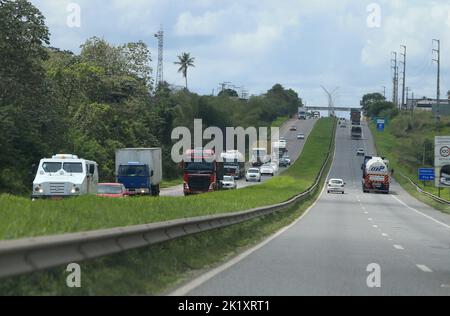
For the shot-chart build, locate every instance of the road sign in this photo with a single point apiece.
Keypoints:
(380, 125)
(426, 174)
(442, 161)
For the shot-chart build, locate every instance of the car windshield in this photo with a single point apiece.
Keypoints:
(52, 167)
(338, 182)
(110, 189)
(253, 171)
(72, 167)
(228, 179)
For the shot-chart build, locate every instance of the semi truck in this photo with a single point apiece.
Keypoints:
(376, 175)
(356, 132)
(233, 164)
(202, 172)
(355, 116)
(259, 154)
(302, 115)
(65, 175)
(139, 170)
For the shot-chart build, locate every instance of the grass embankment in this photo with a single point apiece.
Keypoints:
(404, 142)
(23, 218)
(156, 269)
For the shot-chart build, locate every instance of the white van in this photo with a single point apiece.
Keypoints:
(65, 176)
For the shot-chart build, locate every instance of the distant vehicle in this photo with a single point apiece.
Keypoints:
(275, 166)
(360, 152)
(376, 175)
(253, 174)
(356, 132)
(139, 170)
(445, 179)
(233, 164)
(336, 186)
(302, 114)
(284, 162)
(267, 169)
(228, 183)
(293, 128)
(65, 176)
(111, 190)
(316, 114)
(301, 136)
(202, 172)
(259, 156)
(281, 147)
(355, 117)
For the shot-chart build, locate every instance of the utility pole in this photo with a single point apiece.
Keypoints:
(438, 92)
(160, 69)
(394, 66)
(384, 92)
(331, 111)
(404, 74)
(407, 98)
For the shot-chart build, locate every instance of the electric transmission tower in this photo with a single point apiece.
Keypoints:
(331, 111)
(160, 70)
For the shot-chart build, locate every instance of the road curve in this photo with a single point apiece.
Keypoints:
(295, 148)
(329, 251)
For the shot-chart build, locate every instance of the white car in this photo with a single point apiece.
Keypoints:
(336, 186)
(228, 183)
(301, 136)
(253, 174)
(360, 152)
(267, 169)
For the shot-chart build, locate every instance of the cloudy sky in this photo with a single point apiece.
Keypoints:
(301, 44)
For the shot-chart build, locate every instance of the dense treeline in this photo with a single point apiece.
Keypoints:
(92, 103)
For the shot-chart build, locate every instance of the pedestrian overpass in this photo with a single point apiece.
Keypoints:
(336, 108)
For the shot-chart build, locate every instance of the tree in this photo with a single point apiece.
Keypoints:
(185, 61)
(370, 99)
(229, 93)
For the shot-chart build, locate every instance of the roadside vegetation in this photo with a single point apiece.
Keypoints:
(408, 143)
(100, 99)
(161, 268)
(24, 218)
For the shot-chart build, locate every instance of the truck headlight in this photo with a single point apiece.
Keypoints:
(38, 189)
(75, 190)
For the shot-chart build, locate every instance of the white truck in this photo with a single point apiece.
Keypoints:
(65, 175)
(376, 175)
(140, 170)
(233, 164)
(302, 114)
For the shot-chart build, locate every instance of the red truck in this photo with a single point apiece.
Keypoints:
(202, 172)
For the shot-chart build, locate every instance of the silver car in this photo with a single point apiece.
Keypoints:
(267, 169)
(253, 174)
(336, 186)
(228, 183)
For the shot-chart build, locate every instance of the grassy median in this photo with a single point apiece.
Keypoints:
(157, 269)
(23, 218)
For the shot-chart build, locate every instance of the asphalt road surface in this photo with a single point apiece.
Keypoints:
(330, 250)
(295, 148)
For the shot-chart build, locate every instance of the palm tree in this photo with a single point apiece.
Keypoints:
(185, 61)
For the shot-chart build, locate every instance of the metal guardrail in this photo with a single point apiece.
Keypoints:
(420, 190)
(35, 254)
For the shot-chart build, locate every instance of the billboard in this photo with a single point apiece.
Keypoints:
(442, 161)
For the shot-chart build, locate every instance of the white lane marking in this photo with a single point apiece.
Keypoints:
(398, 247)
(189, 287)
(384, 235)
(420, 213)
(424, 268)
(375, 226)
(370, 219)
(366, 212)
(445, 286)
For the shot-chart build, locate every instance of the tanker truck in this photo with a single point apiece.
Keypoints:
(376, 175)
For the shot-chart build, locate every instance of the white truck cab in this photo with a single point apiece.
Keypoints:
(65, 176)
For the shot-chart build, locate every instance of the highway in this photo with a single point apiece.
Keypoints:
(295, 148)
(329, 250)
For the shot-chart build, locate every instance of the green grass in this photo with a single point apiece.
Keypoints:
(280, 121)
(393, 147)
(157, 269)
(23, 218)
(171, 183)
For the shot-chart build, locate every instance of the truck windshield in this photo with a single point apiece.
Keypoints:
(73, 167)
(199, 166)
(133, 171)
(52, 167)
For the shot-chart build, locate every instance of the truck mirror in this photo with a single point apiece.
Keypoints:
(91, 169)
(151, 173)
